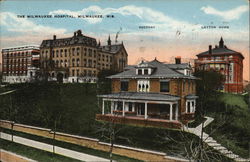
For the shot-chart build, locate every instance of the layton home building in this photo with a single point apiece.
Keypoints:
(151, 94)
(226, 61)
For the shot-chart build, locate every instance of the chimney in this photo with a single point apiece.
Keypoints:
(74, 34)
(178, 60)
(54, 37)
(210, 49)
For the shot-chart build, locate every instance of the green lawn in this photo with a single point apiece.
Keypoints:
(233, 99)
(231, 126)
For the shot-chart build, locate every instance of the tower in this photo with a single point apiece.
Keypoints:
(109, 41)
(221, 43)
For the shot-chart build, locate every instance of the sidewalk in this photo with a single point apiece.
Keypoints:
(49, 148)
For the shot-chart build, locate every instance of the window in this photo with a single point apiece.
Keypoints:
(65, 52)
(77, 62)
(164, 86)
(77, 51)
(188, 107)
(143, 85)
(124, 85)
(130, 106)
(184, 84)
(145, 71)
(139, 71)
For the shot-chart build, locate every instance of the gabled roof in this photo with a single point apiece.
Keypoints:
(78, 38)
(219, 50)
(179, 66)
(160, 71)
(112, 48)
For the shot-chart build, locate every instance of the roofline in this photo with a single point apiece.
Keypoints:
(193, 77)
(217, 54)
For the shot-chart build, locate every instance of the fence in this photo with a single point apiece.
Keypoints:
(140, 154)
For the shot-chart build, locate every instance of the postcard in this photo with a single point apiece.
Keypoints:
(154, 80)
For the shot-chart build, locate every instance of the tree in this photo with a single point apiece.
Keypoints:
(109, 131)
(104, 83)
(207, 87)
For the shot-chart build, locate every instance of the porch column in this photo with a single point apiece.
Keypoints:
(146, 110)
(176, 111)
(123, 107)
(171, 112)
(112, 106)
(103, 106)
(115, 104)
(186, 106)
(194, 105)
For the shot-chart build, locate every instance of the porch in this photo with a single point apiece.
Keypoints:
(140, 108)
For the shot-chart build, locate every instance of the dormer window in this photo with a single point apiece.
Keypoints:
(144, 71)
(139, 71)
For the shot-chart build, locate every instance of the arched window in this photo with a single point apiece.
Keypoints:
(57, 63)
(65, 63)
(61, 53)
(77, 62)
(61, 63)
(78, 51)
(65, 52)
(73, 62)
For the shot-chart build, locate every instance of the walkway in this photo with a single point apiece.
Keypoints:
(8, 92)
(211, 142)
(49, 148)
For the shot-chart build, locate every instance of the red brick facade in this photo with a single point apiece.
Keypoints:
(227, 62)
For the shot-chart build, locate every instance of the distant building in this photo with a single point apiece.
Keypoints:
(20, 64)
(151, 94)
(80, 58)
(228, 62)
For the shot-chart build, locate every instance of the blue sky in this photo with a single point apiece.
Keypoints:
(177, 24)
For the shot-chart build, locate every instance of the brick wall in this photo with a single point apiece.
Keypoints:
(154, 85)
(116, 84)
(132, 85)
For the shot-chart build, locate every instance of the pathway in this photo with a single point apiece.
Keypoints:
(8, 92)
(49, 148)
(213, 143)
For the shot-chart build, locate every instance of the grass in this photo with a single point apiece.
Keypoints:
(71, 146)
(32, 153)
(231, 126)
(233, 100)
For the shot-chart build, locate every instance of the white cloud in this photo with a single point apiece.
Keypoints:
(232, 14)
(23, 25)
(144, 13)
